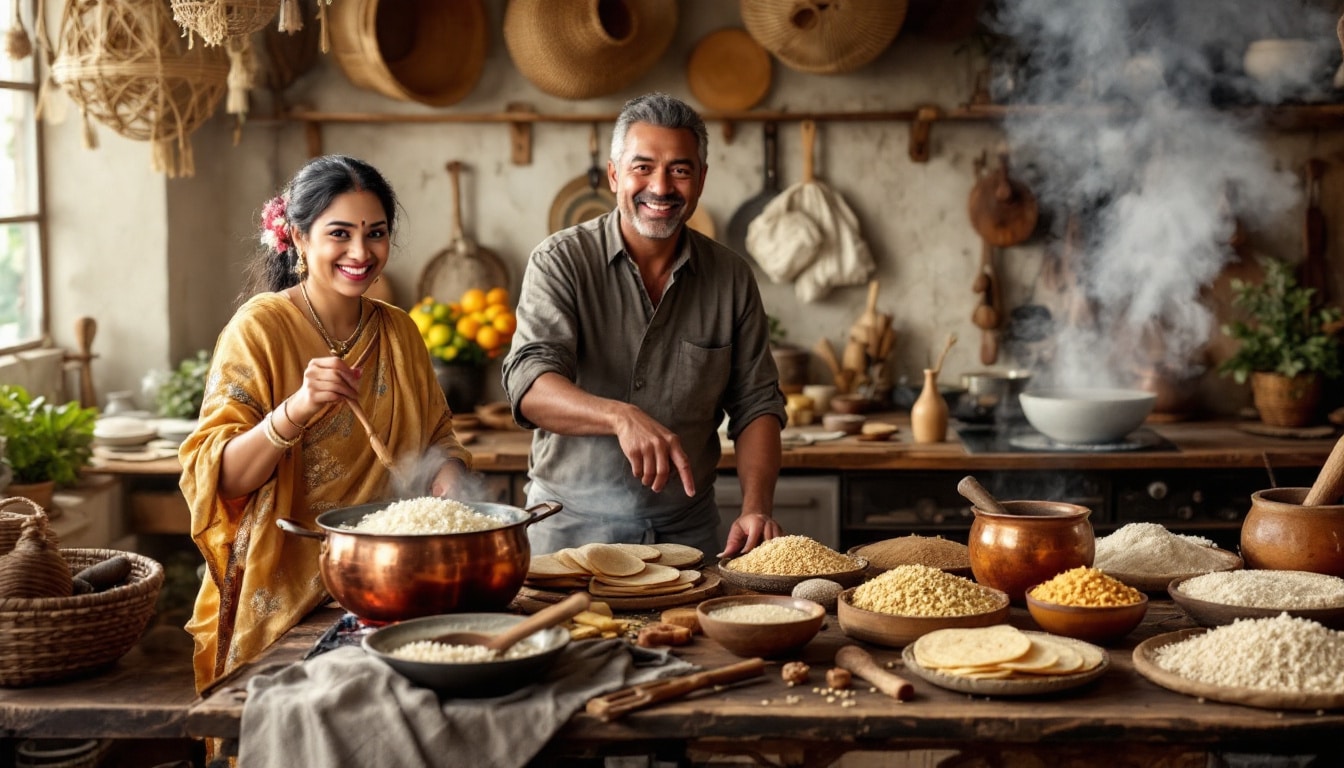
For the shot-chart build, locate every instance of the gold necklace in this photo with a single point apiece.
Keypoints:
(338, 348)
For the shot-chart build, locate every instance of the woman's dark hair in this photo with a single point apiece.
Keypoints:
(303, 199)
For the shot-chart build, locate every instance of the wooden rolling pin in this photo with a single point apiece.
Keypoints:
(614, 705)
(859, 662)
(1330, 482)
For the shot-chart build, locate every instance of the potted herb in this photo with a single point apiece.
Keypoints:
(180, 395)
(791, 359)
(1288, 348)
(45, 445)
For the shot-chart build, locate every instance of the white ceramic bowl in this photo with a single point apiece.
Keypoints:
(1087, 416)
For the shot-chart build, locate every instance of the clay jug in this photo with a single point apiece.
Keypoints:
(1034, 542)
(1281, 534)
(928, 415)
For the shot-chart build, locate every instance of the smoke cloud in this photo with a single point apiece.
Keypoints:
(1145, 151)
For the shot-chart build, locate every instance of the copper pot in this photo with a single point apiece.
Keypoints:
(382, 578)
(1281, 534)
(1033, 543)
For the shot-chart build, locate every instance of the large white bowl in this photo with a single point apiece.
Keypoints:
(1087, 416)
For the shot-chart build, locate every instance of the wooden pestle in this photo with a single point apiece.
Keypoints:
(1330, 482)
(859, 662)
(981, 498)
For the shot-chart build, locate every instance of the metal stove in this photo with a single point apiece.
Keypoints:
(1021, 438)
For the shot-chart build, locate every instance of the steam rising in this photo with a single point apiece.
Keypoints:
(415, 474)
(1144, 155)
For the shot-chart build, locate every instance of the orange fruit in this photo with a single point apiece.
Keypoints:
(468, 326)
(488, 337)
(505, 323)
(473, 300)
(497, 295)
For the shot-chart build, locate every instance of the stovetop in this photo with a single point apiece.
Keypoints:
(1021, 438)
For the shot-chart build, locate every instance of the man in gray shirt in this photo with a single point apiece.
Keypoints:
(636, 334)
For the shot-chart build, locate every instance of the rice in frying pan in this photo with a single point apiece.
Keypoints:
(425, 515)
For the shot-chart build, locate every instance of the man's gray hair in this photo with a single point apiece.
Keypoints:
(663, 111)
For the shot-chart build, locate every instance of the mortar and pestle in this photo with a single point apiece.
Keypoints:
(1299, 529)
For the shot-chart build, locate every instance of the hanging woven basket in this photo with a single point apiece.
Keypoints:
(216, 20)
(126, 65)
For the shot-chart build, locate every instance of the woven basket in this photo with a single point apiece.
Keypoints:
(1284, 401)
(11, 525)
(126, 65)
(215, 20)
(55, 638)
(824, 38)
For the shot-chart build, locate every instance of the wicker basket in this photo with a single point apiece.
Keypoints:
(60, 637)
(1284, 401)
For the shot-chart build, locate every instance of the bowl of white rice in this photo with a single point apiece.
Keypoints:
(466, 671)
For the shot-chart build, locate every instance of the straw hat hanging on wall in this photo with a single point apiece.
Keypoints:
(824, 38)
(581, 49)
(126, 64)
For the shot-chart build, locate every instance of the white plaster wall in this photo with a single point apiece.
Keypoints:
(160, 263)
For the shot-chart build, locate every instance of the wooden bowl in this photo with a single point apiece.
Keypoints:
(851, 404)
(1095, 624)
(783, 585)
(874, 569)
(1207, 614)
(765, 640)
(849, 423)
(895, 631)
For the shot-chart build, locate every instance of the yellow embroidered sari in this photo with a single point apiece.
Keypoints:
(262, 581)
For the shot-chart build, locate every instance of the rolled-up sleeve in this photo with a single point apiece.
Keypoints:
(547, 336)
(754, 390)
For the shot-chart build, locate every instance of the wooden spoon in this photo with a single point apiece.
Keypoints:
(1330, 482)
(543, 619)
(379, 447)
(981, 498)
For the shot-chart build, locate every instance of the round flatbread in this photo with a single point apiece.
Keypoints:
(1041, 656)
(1068, 659)
(573, 557)
(610, 560)
(651, 575)
(677, 555)
(978, 647)
(548, 566)
(604, 590)
(643, 551)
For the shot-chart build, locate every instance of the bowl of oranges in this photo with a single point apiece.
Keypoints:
(462, 337)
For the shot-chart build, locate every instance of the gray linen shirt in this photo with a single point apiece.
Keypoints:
(702, 352)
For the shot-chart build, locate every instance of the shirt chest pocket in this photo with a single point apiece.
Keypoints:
(701, 376)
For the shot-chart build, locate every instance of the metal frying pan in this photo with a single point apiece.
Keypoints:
(463, 264)
(749, 210)
(583, 197)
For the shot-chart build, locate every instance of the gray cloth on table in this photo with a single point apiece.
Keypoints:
(347, 708)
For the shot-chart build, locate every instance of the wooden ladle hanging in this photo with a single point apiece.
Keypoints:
(1003, 212)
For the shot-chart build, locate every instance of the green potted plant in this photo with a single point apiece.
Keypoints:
(1288, 346)
(181, 393)
(46, 445)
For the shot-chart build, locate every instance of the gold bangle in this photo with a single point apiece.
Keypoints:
(284, 410)
(274, 437)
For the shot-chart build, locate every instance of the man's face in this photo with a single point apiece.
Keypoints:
(657, 180)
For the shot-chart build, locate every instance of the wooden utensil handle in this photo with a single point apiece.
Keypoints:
(1330, 482)
(809, 132)
(858, 661)
(614, 705)
(972, 490)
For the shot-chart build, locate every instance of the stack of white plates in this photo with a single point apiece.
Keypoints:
(121, 431)
(176, 430)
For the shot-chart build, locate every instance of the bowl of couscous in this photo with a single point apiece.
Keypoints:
(778, 565)
(909, 601)
(1086, 604)
(760, 625)
(470, 671)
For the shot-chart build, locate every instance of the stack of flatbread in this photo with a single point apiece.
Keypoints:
(618, 570)
(1004, 652)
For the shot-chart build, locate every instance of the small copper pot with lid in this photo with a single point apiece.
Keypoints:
(1033, 543)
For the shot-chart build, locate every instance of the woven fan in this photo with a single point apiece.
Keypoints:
(125, 64)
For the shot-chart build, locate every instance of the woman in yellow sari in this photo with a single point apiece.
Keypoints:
(276, 438)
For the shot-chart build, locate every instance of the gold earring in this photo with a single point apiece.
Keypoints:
(300, 265)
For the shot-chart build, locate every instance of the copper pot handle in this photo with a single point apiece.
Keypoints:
(551, 508)
(289, 525)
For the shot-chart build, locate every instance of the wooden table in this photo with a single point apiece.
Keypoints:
(1122, 709)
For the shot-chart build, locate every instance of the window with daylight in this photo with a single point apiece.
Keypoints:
(22, 275)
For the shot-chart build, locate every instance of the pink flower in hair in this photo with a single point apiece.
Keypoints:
(274, 225)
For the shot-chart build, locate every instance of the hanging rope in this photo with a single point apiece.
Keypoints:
(17, 43)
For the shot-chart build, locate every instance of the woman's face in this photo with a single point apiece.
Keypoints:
(348, 244)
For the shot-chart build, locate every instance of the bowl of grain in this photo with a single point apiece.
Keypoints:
(1215, 599)
(909, 601)
(933, 551)
(1086, 604)
(1147, 556)
(471, 671)
(780, 564)
(760, 625)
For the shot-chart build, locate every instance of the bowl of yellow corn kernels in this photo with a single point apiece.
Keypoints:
(1086, 604)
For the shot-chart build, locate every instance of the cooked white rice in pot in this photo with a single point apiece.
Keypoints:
(425, 515)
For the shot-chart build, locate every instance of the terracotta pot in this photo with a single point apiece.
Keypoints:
(792, 363)
(1280, 534)
(1034, 542)
(42, 494)
(1286, 402)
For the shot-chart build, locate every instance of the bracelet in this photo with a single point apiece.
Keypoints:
(284, 410)
(274, 436)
